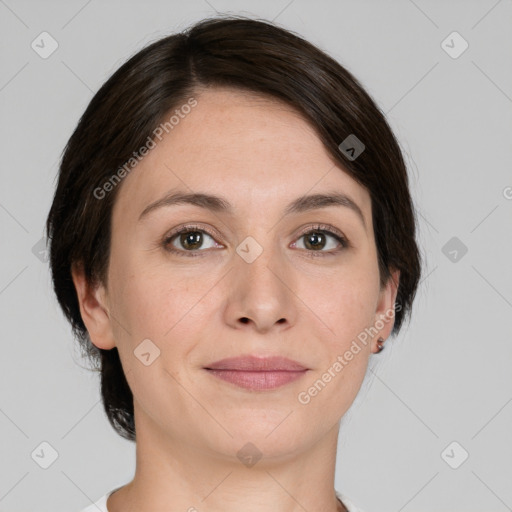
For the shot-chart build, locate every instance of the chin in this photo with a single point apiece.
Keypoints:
(260, 435)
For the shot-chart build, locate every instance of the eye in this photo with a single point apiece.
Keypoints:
(317, 238)
(190, 238)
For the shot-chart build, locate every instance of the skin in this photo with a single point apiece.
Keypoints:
(259, 154)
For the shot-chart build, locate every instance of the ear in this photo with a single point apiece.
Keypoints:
(94, 310)
(386, 306)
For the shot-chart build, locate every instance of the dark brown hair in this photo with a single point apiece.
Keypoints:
(252, 55)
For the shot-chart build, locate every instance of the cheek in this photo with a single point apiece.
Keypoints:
(345, 303)
(345, 306)
(146, 298)
(336, 381)
(153, 306)
(164, 306)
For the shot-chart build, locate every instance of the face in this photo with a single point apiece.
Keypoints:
(250, 278)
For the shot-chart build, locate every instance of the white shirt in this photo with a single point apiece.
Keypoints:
(101, 504)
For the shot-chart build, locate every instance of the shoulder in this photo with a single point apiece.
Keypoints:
(349, 504)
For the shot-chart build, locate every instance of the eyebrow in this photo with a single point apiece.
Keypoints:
(220, 205)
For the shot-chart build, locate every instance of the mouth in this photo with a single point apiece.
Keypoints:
(257, 373)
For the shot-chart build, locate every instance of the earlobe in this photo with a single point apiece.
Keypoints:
(93, 309)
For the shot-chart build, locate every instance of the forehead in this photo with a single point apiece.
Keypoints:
(254, 150)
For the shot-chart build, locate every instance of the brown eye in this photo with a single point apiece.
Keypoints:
(315, 240)
(188, 240)
(191, 240)
(318, 239)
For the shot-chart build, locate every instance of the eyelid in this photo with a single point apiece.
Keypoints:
(191, 227)
(322, 227)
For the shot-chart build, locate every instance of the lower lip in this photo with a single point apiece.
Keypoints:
(257, 381)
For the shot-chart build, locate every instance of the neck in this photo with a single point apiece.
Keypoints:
(192, 476)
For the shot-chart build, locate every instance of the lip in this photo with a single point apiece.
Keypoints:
(257, 364)
(257, 373)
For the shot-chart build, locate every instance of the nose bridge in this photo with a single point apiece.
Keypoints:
(260, 290)
(259, 263)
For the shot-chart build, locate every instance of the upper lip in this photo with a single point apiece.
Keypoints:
(255, 363)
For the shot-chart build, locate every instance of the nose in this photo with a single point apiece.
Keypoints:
(260, 296)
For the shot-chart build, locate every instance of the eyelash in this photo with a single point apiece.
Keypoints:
(320, 228)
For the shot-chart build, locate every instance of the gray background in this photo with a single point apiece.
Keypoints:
(446, 377)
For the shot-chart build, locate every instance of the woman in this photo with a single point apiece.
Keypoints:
(232, 236)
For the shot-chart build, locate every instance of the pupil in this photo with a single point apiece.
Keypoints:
(191, 240)
(313, 240)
